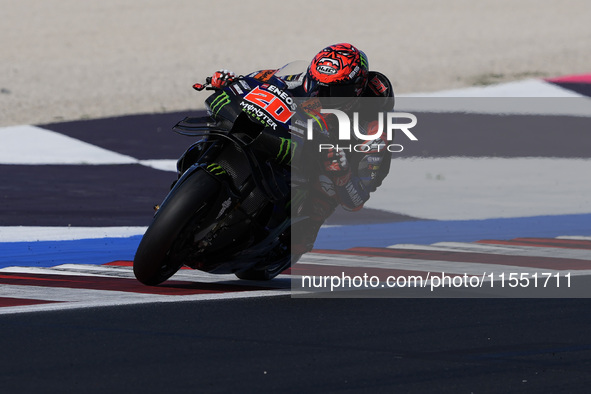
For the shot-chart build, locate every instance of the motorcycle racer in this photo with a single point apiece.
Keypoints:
(338, 77)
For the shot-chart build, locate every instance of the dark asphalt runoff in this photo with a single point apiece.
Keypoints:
(302, 345)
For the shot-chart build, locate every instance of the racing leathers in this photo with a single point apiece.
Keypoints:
(348, 170)
(344, 172)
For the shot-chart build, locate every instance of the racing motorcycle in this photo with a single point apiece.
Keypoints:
(230, 210)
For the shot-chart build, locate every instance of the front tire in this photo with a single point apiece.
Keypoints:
(153, 262)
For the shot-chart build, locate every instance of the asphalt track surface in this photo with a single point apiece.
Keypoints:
(296, 345)
(276, 343)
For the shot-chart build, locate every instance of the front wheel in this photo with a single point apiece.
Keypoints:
(154, 261)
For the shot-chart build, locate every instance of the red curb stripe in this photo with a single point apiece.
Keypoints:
(120, 263)
(580, 78)
(125, 263)
(8, 301)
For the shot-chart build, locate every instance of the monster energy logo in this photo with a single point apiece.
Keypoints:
(285, 149)
(363, 60)
(219, 102)
(215, 169)
(258, 114)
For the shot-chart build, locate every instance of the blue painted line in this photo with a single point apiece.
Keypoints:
(424, 232)
(82, 251)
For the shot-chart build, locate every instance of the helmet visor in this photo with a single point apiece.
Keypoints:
(338, 94)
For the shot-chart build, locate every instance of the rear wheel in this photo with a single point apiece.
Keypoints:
(154, 262)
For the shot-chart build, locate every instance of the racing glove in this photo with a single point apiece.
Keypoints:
(350, 193)
(336, 161)
(222, 78)
(337, 166)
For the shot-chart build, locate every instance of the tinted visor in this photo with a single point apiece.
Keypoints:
(338, 94)
(339, 90)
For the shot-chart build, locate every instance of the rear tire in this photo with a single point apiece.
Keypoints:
(153, 262)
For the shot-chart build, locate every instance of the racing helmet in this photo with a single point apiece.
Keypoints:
(337, 71)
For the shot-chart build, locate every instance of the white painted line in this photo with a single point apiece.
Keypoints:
(440, 246)
(35, 145)
(50, 271)
(506, 250)
(532, 88)
(531, 96)
(32, 145)
(432, 266)
(65, 294)
(164, 164)
(576, 237)
(134, 299)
